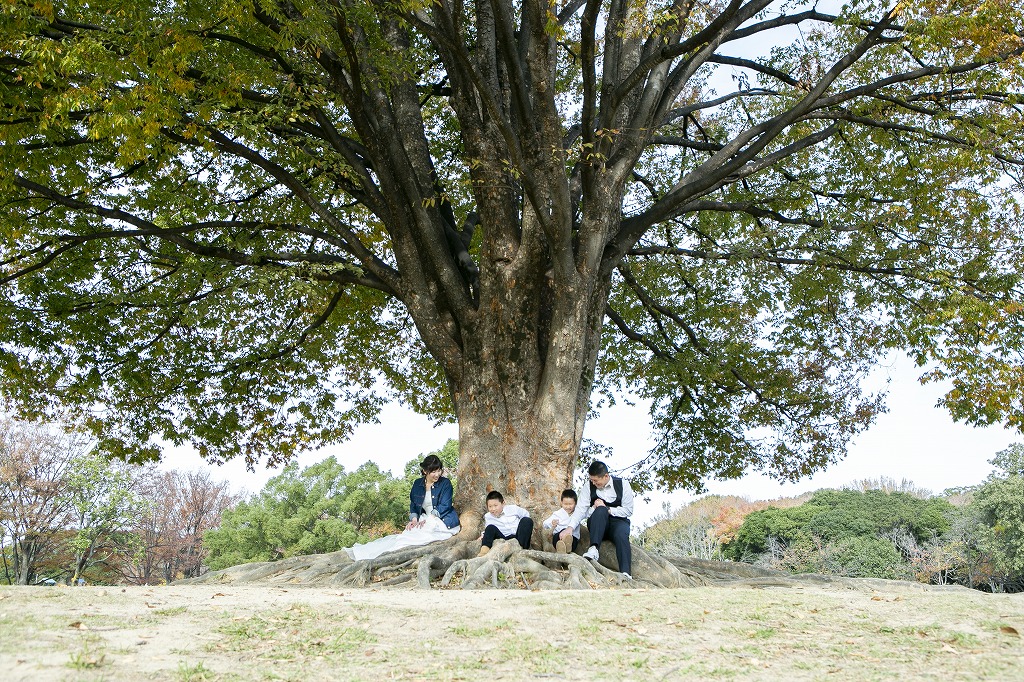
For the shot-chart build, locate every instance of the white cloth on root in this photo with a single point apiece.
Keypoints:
(433, 530)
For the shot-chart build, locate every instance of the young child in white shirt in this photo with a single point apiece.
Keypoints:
(504, 521)
(564, 535)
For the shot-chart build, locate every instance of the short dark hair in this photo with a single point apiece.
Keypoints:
(431, 463)
(495, 495)
(568, 493)
(598, 469)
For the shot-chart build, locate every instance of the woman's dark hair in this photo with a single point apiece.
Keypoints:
(431, 463)
(495, 495)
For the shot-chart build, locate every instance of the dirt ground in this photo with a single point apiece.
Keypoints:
(200, 633)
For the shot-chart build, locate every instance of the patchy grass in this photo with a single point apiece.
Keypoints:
(92, 654)
(295, 634)
(194, 673)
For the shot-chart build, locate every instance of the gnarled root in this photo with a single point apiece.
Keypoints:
(454, 563)
(483, 571)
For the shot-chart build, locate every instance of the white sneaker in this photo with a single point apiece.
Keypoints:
(592, 553)
(627, 576)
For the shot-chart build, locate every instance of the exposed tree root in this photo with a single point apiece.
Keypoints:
(454, 563)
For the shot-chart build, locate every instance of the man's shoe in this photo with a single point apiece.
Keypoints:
(627, 576)
(592, 553)
(560, 547)
(484, 549)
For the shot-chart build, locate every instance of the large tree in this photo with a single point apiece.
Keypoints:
(37, 499)
(245, 224)
(105, 503)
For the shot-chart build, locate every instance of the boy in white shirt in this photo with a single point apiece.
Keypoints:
(505, 521)
(564, 534)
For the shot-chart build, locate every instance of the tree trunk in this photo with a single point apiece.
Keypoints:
(7, 568)
(524, 401)
(27, 558)
(527, 456)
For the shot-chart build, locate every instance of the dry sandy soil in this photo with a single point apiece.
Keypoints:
(879, 631)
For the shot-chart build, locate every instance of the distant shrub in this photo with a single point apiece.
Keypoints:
(843, 532)
(869, 557)
(701, 529)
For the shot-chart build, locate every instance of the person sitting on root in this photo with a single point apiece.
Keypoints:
(564, 534)
(505, 521)
(431, 496)
(609, 501)
(431, 514)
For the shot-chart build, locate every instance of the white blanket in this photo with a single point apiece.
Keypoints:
(433, 531)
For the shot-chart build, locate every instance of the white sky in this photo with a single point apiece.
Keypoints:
(915, 440)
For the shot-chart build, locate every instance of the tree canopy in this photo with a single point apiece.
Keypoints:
(245, 224)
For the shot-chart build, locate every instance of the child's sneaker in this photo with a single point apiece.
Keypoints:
(561, 548)
(484, 549)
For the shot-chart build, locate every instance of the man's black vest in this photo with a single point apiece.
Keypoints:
(617, 485)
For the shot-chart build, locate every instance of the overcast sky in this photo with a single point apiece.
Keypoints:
(915, 440)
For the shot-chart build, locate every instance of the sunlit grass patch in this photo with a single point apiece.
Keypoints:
(298, 632)
(483, 630)
(172, 611)
(197, 672)
(91, 654)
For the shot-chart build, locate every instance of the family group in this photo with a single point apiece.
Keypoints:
(606, 504)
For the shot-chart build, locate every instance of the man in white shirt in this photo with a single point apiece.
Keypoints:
(609, 501)
(505, 521)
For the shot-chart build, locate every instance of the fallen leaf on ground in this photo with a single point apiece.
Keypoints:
(1009, 630)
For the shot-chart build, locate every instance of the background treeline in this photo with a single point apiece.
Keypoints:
(317, 509)
(970, 536)
(69, 513)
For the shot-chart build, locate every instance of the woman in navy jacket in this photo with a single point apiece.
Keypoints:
(431, 515)
(439, 502)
